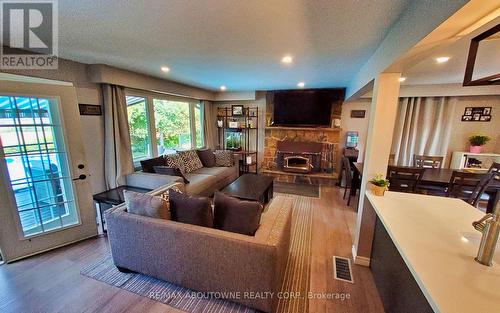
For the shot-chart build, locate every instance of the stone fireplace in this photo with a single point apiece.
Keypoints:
(301, 154)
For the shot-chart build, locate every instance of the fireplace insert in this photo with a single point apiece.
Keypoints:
(297, 164)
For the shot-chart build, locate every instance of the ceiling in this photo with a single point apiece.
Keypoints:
(239, 44)
(427, 71)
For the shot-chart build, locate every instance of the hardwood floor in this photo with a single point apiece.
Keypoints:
(51, 282)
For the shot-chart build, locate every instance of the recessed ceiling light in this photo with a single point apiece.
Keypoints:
(223, 88)
(287, 59)
(402, 79)
(442, 59)
(165, 69)
(301, 84)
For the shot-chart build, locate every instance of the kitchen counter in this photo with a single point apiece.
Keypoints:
(436, 241)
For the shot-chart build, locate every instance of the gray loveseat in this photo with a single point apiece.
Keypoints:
(203, 182)
(206, 259)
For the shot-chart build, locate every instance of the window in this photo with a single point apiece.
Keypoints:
(139, 130)
(163, 124)
(198, 124)
(173, 125)
(37, 162)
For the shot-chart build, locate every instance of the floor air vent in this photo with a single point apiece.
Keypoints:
(342, 269)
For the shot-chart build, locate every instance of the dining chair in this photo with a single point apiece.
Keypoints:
(392, 158)
(468, 186)
(495, 170)
(348, 179)
(427, 161)
(404, 179)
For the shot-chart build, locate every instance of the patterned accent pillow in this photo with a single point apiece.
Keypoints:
(164, 194)
(165, 197)
(175, 160)
(224, 158)
(191, 160)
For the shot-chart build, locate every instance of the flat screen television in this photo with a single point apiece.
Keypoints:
(305, 108)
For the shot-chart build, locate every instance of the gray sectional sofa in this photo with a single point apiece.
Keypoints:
(202, 182)
(206, 259)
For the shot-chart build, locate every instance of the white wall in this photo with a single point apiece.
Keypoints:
(462, 130)
(355, 124)
(93, 138)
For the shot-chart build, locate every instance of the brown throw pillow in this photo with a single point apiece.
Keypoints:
(207, 157)
(224, 158)
(146, 205)
(148, 165)
(237, 216)
(190, 210)
(172, 171)
(174, 160)
(191, 160)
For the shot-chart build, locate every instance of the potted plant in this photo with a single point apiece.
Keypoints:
(476, 142)
(379, 185)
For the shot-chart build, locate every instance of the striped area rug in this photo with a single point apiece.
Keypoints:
(298, 269)
(296, 280)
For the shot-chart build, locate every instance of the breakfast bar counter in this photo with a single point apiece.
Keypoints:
(423, 255)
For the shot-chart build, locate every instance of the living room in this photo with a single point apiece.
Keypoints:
(221, 156)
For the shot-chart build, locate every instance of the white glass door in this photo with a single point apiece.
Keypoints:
(43, 172)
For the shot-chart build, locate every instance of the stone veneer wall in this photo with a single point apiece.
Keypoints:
(323, 135)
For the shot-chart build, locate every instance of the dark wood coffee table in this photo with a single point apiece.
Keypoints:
(251, 187)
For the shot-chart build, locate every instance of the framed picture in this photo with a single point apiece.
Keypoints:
(89, 109)
(477, 114)
(358, 113)
(237, 110)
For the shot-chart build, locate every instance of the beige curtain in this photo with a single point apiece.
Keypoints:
(117, 153)
(209, 126)
(423, 127)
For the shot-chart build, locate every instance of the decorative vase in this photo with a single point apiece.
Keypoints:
(377, 190)
(475, 149)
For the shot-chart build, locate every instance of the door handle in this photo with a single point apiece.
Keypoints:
(81, 177)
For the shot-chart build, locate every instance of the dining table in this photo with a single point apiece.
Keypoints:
(439, 177)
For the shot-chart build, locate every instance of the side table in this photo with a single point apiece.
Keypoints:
(113, 197)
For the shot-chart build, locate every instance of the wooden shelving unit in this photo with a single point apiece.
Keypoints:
(247, 125)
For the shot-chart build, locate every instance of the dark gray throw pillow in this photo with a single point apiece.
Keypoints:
(148, 165)
(172, 171)
(237, 216)
(207, 157)
(190, 210)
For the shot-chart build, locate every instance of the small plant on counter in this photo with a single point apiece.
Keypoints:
(379, 185)
(476, 141)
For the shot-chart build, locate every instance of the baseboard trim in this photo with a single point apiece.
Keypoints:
(49, 249)
(360, 260)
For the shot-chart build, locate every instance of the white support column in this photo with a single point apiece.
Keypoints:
(379, 140)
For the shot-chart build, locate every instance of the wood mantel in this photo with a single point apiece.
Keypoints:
(313, 129)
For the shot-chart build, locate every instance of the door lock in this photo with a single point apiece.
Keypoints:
(81, 177)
